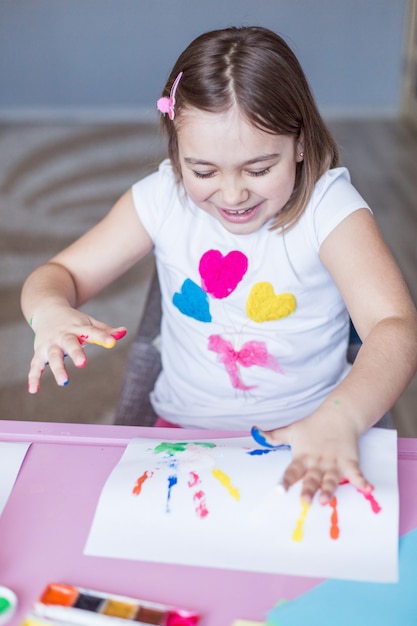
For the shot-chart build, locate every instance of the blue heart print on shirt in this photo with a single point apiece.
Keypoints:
(192, 301)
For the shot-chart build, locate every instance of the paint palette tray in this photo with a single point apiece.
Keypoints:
(62, 604)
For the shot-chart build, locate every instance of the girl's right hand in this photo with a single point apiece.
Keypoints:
(56, 340)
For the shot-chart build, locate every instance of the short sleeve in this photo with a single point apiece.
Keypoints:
(334, 198)
(153, 198)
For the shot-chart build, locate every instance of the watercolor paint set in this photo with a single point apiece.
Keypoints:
(65, 605)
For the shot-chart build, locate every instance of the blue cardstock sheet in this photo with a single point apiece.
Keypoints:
(348, 603)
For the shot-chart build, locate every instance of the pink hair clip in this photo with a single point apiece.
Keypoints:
(167, 105)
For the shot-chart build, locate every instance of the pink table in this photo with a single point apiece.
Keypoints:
(46, 521)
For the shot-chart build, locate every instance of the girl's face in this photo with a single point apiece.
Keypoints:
(240, 175)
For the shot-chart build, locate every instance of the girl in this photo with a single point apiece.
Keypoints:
(264, 250)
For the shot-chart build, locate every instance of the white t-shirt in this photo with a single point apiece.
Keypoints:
(254, 330)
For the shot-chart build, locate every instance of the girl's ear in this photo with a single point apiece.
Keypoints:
(299, 147)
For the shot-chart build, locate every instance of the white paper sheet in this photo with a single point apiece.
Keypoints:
(12, 454)
(215, 503)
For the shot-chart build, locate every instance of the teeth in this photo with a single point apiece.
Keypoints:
(240, 212)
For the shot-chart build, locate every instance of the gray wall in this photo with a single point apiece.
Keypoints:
(113, 56)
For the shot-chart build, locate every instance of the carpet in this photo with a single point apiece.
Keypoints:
(56, 181)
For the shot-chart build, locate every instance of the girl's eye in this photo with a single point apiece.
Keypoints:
(260, 172)
(203, 174)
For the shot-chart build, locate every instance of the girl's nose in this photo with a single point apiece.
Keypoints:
(233, 191)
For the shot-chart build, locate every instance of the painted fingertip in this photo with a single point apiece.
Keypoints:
(119, 334)
(33, 388)
(364, 490)
(81, 362)
(110, 343)
(325, 499)
(260, 438)
(306, 500)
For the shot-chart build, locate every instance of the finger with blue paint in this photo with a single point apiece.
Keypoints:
(261, 439)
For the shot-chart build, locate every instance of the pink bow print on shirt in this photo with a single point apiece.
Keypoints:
(251, 353)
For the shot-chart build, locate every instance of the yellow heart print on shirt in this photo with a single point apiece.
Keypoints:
(263, 305)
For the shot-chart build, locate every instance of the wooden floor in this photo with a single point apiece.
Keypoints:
(382, 158)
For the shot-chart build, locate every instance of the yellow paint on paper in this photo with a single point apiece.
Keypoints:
(298, 533)
(226, 481)
(34, 620)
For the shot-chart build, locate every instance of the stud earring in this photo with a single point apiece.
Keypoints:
(301, 155)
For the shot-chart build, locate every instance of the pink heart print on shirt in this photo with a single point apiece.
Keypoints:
(220, 275)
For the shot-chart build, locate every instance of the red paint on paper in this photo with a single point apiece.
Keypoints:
(334, 528)
(139, 483)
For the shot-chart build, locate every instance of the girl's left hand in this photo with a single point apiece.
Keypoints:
(324, 452)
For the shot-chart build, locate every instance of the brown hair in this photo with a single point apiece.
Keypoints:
(254, 68)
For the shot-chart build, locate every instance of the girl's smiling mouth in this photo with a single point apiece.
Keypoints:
(239, 215)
